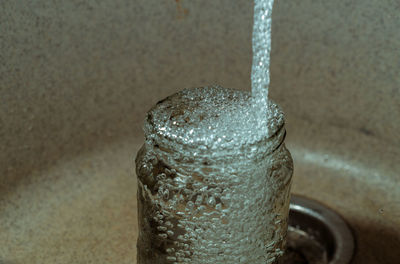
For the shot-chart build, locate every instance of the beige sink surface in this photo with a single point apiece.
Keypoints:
(76, 78)
(83, 210)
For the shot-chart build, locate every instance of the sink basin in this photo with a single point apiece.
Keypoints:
(83, 209)
(76, 79)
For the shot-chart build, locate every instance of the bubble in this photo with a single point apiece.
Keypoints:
(212, 151)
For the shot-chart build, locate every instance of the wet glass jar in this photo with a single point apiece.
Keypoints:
(210, 191)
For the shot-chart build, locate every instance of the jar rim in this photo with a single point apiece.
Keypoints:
(180, 122)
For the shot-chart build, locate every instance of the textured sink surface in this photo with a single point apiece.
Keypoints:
(76, 78)
(83, 210)
(357, 176)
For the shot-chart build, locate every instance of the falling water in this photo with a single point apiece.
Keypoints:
(261, 50)
(214, 174)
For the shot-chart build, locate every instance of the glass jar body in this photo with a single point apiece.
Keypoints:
(216, 209)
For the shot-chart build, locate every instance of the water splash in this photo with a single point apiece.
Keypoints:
(213, 175)
(213, 182)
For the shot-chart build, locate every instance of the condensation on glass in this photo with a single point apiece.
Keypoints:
(212, 187)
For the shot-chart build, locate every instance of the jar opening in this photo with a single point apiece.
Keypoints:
(214, 121)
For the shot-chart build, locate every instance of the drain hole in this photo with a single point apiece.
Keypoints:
(316, 235)
(304, 249)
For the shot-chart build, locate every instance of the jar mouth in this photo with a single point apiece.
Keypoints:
(199, 154)
(214, 121)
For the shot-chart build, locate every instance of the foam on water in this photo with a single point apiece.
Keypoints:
(214, 174)
(217, 118)
(213, 180)
(212, 119)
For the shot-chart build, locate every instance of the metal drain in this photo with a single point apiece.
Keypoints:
(317, 235)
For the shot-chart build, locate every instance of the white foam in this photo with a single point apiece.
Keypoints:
(216, 118)
(212, 119)
(232, 207)
(208, 181)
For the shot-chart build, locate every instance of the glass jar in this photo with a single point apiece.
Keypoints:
(205, 194)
